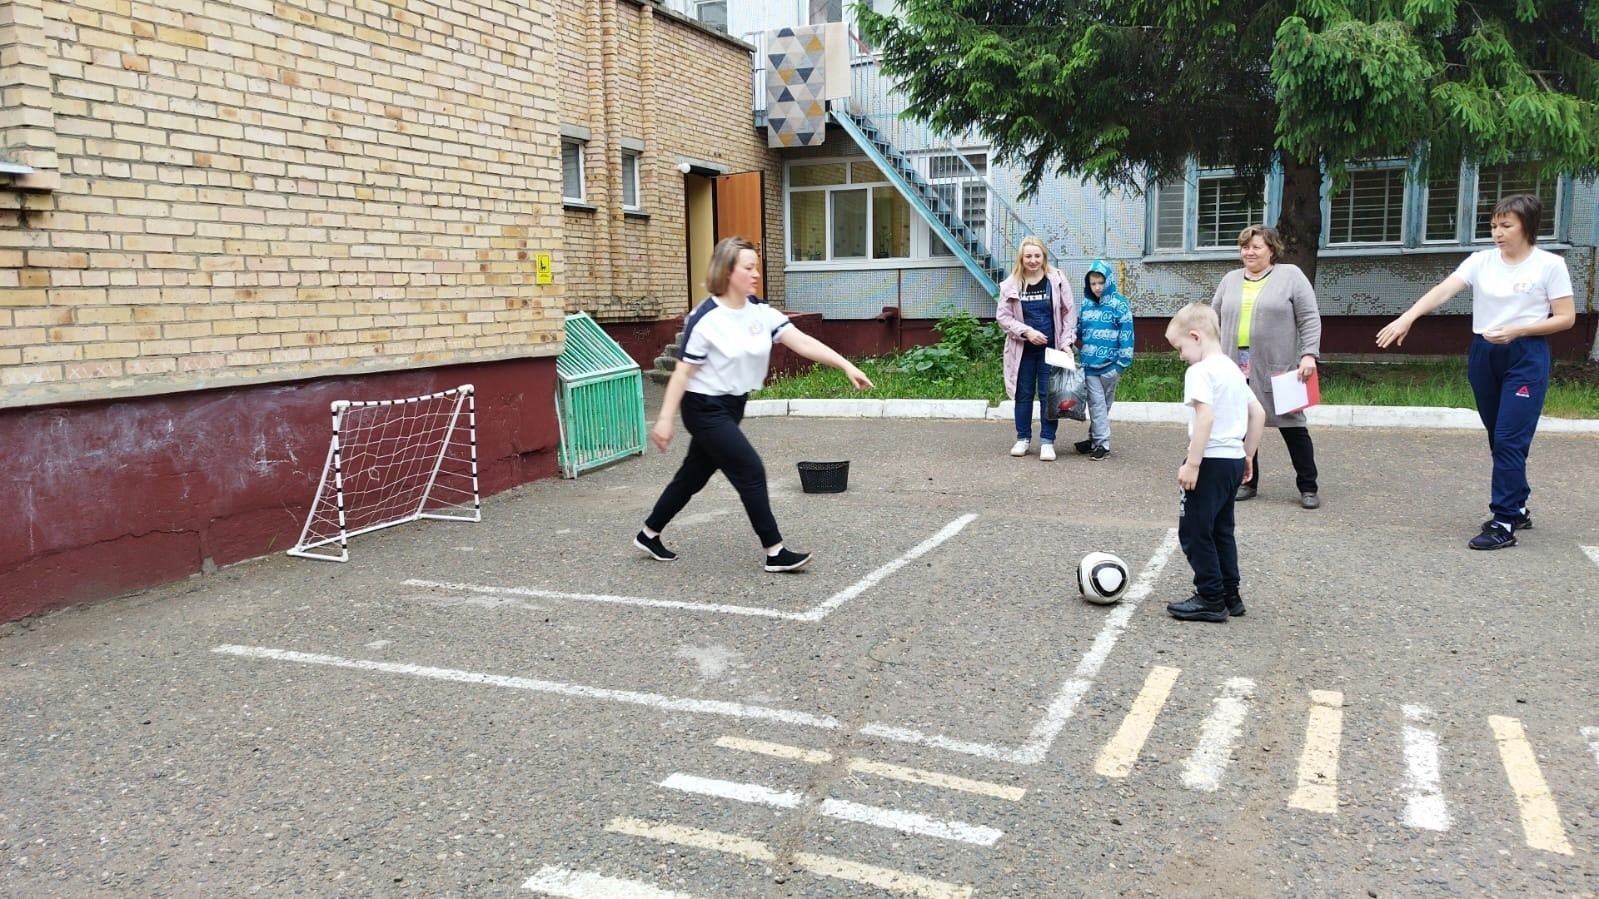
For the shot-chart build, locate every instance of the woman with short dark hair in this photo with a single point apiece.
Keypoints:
(1520, 295)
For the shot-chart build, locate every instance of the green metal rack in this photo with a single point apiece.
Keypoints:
(599, 400)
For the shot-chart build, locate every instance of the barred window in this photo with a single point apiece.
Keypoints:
(1227, 205)
(1370, 209)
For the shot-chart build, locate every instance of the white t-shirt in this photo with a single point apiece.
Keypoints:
(731, 347)
(1217, 382)
(1505, 295)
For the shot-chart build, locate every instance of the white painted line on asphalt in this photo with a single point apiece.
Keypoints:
(1424, 799)
(1540, 818)
(1592, 552)
(1318, 762)
(865, 583)
(900, 882)
(843, 810)
(569, 884)
(1064, 704)
(486, 592)
(1039, 740)
(1119, 755)
(816, 613)
(652, 700)
(1206, 764)
(880, 769)
(1591, 734)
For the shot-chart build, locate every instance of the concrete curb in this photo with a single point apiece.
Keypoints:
(1320, 416)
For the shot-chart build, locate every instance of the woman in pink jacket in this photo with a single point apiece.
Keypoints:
(1035, 311)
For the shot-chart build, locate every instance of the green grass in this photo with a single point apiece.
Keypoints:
(1574, 392)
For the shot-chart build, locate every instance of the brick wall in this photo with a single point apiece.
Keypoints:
(251, 194)
(682, 91)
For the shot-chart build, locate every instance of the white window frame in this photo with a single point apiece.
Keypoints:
(831, 259)
(632, 180)
(1227, 241)
(1413, 204)
(579, 147)
(1551, 213)
(697, 10)
(1402, 200)
(924, 243)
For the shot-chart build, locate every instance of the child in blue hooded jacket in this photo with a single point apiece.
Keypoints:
(1105, 335)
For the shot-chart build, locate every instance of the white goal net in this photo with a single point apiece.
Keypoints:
(391, 462)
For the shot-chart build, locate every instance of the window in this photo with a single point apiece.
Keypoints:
(1169, 216)
(824, 11)
(964, 190)
(572, 171)
(845, 211)
(1370, 209)
(712, 14)
(630, 180)
(1227, 205)
(1382, 205)
(1501, 181)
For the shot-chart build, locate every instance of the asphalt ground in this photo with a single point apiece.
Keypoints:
(529, 706)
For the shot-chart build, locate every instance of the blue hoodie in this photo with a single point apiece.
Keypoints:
(1105, 326)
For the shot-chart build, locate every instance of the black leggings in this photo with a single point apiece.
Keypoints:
(1303, 454)
(718, 444)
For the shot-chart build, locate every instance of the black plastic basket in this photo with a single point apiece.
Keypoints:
(824, 477)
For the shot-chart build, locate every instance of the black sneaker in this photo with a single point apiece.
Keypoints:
(786, 560)
(654, 547)
(1099, 453)
(1199, 607)
(1495, 535)
(1235, 603)
(1522, 522)
(1084, 447)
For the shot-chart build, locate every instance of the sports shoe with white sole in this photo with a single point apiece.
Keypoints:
(1020, 449)
(654, 547)
(786, 560)
(1046, 452)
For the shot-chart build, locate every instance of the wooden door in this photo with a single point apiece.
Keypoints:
(741, 210)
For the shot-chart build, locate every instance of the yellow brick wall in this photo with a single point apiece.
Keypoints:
(253, 191)
(686, 93)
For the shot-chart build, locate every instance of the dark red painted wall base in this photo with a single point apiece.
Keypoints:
(104, 498)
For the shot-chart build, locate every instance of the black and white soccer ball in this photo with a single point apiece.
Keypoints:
(1102, 578)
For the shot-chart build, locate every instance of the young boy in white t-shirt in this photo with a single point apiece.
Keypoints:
(1224, 426)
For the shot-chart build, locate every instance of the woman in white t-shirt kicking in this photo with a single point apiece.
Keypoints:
(727, 342)
(1520, 295)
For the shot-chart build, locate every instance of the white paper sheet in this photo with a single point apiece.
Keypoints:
(1060, 358)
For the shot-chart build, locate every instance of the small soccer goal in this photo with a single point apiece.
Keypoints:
(391, 462)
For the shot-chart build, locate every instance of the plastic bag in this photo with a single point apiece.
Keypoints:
(1068, 394)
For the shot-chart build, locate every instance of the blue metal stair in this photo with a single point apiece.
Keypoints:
(967, 245)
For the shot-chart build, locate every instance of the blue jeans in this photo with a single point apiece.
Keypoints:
(1101, 394)
(1509, 381)
(1032, 382)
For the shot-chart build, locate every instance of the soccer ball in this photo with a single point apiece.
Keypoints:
(1102, 578)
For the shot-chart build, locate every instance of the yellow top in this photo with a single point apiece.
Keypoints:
(1247, 309)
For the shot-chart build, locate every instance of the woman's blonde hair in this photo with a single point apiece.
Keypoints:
(1030, 241)
(723, 259)
(1274, 240)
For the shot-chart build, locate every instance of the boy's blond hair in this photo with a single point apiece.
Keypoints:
(1195, 317)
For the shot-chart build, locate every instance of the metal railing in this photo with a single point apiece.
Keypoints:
(942, 160)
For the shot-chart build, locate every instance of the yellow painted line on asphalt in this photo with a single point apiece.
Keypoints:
(888, 879)
(1540, 819)
(1118, 756)
(878, 769)
(1318, 763)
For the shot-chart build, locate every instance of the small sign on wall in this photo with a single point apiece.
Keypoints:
(544, 267)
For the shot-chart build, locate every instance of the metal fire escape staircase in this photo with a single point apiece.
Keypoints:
(962, 240)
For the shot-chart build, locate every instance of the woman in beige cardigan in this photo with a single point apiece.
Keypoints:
(1270, 325)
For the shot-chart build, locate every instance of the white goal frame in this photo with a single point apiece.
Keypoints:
(329, 506)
